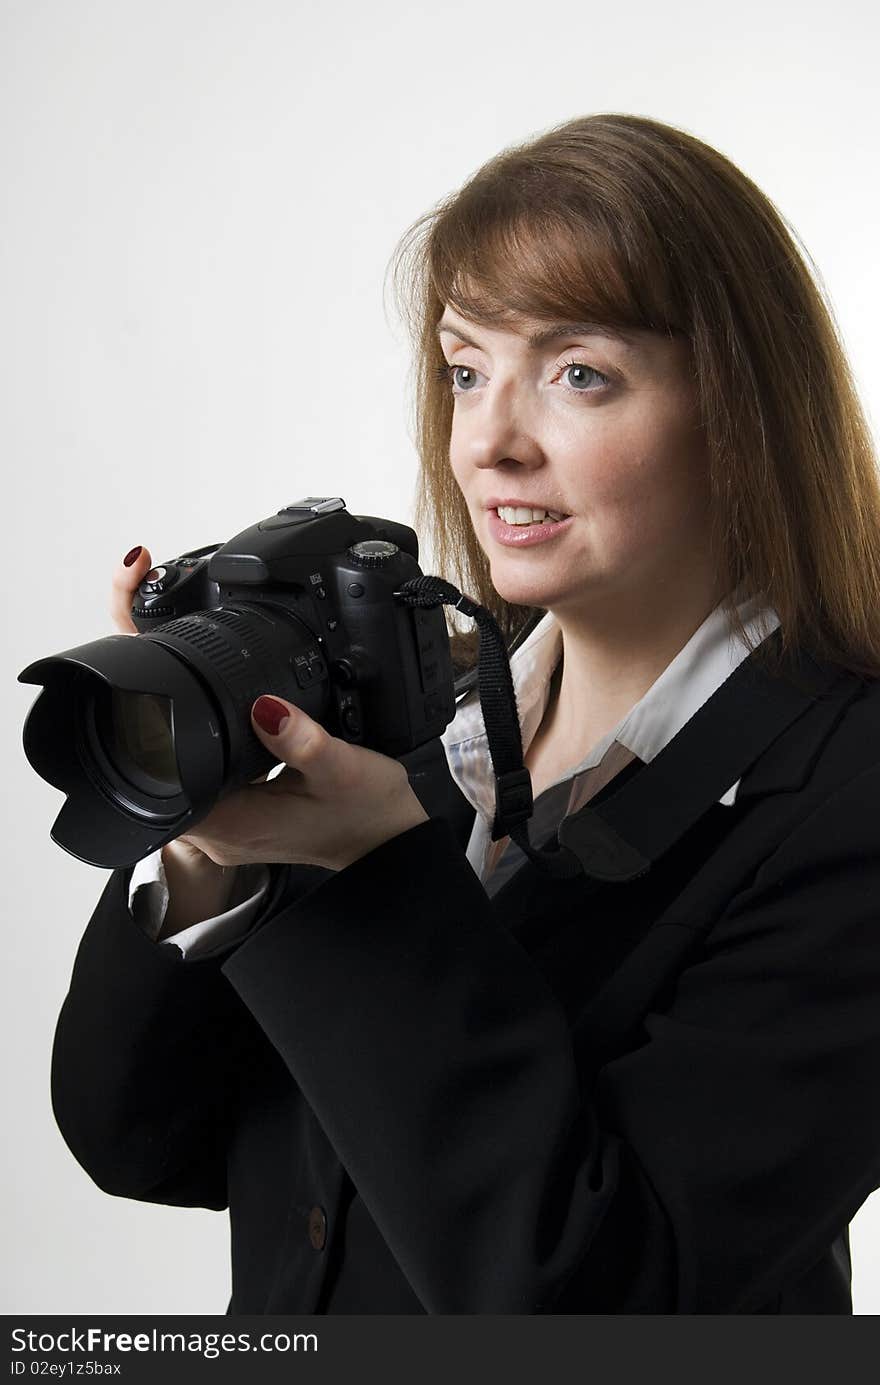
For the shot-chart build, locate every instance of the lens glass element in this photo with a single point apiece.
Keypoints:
(138, 739)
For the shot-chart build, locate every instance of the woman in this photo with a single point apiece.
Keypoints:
(424, 1074)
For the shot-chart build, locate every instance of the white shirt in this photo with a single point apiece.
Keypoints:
(705, 662)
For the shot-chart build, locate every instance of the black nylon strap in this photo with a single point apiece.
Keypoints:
(513, 783)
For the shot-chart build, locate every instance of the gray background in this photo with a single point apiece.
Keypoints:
(199, 203)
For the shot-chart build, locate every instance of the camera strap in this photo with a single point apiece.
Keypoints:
(513, 783)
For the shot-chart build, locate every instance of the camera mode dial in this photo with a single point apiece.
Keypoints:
(372, 552)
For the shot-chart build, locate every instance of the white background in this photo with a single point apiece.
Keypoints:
(199, 204)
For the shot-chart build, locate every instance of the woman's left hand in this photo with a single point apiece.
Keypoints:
(331, 804)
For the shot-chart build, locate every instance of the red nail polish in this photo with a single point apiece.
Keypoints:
(133, 556)
(269, 713)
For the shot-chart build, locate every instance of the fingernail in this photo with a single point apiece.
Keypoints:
(133, 556)
(270, 714)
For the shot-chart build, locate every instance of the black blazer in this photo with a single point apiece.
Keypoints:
(650, 1089)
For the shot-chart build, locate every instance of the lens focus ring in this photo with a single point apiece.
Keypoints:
(236, 653)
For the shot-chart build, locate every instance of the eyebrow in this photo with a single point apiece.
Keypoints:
(546, 335)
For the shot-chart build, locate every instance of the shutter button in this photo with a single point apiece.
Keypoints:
(317, 1228)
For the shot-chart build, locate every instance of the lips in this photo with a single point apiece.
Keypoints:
(525, 535)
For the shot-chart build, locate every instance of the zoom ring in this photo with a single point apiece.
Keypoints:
(234, 650)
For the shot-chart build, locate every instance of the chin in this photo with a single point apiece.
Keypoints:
(522, 591)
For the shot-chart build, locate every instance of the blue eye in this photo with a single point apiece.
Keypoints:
(463, 377)
(581, 377)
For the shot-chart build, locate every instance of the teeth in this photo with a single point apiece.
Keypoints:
(519, 514)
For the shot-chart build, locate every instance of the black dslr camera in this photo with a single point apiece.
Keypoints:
(144, 735)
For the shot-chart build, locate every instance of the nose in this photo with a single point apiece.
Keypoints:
(500, 433)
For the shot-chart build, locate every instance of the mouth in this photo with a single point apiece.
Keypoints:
(524, 526)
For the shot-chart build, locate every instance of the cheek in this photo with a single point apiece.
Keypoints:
(457, 465)
(653, 460)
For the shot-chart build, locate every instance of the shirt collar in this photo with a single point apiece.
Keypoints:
(693, 675)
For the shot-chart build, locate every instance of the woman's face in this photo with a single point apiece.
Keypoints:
(601, 430)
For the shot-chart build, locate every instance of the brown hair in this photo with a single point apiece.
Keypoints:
(628, 222)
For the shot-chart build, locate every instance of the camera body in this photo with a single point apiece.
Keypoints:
(372, 670)
(144, 735)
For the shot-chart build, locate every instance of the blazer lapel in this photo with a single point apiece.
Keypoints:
(738, 733)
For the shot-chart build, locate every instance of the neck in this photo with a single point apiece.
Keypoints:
(612, 656)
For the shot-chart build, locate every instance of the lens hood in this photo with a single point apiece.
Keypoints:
(105, 820)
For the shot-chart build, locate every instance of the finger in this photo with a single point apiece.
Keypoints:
(126, 581)
(292, 735)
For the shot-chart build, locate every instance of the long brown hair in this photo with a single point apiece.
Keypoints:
(628, 222)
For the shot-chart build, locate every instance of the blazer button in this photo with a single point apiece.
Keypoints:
(317, 1228)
